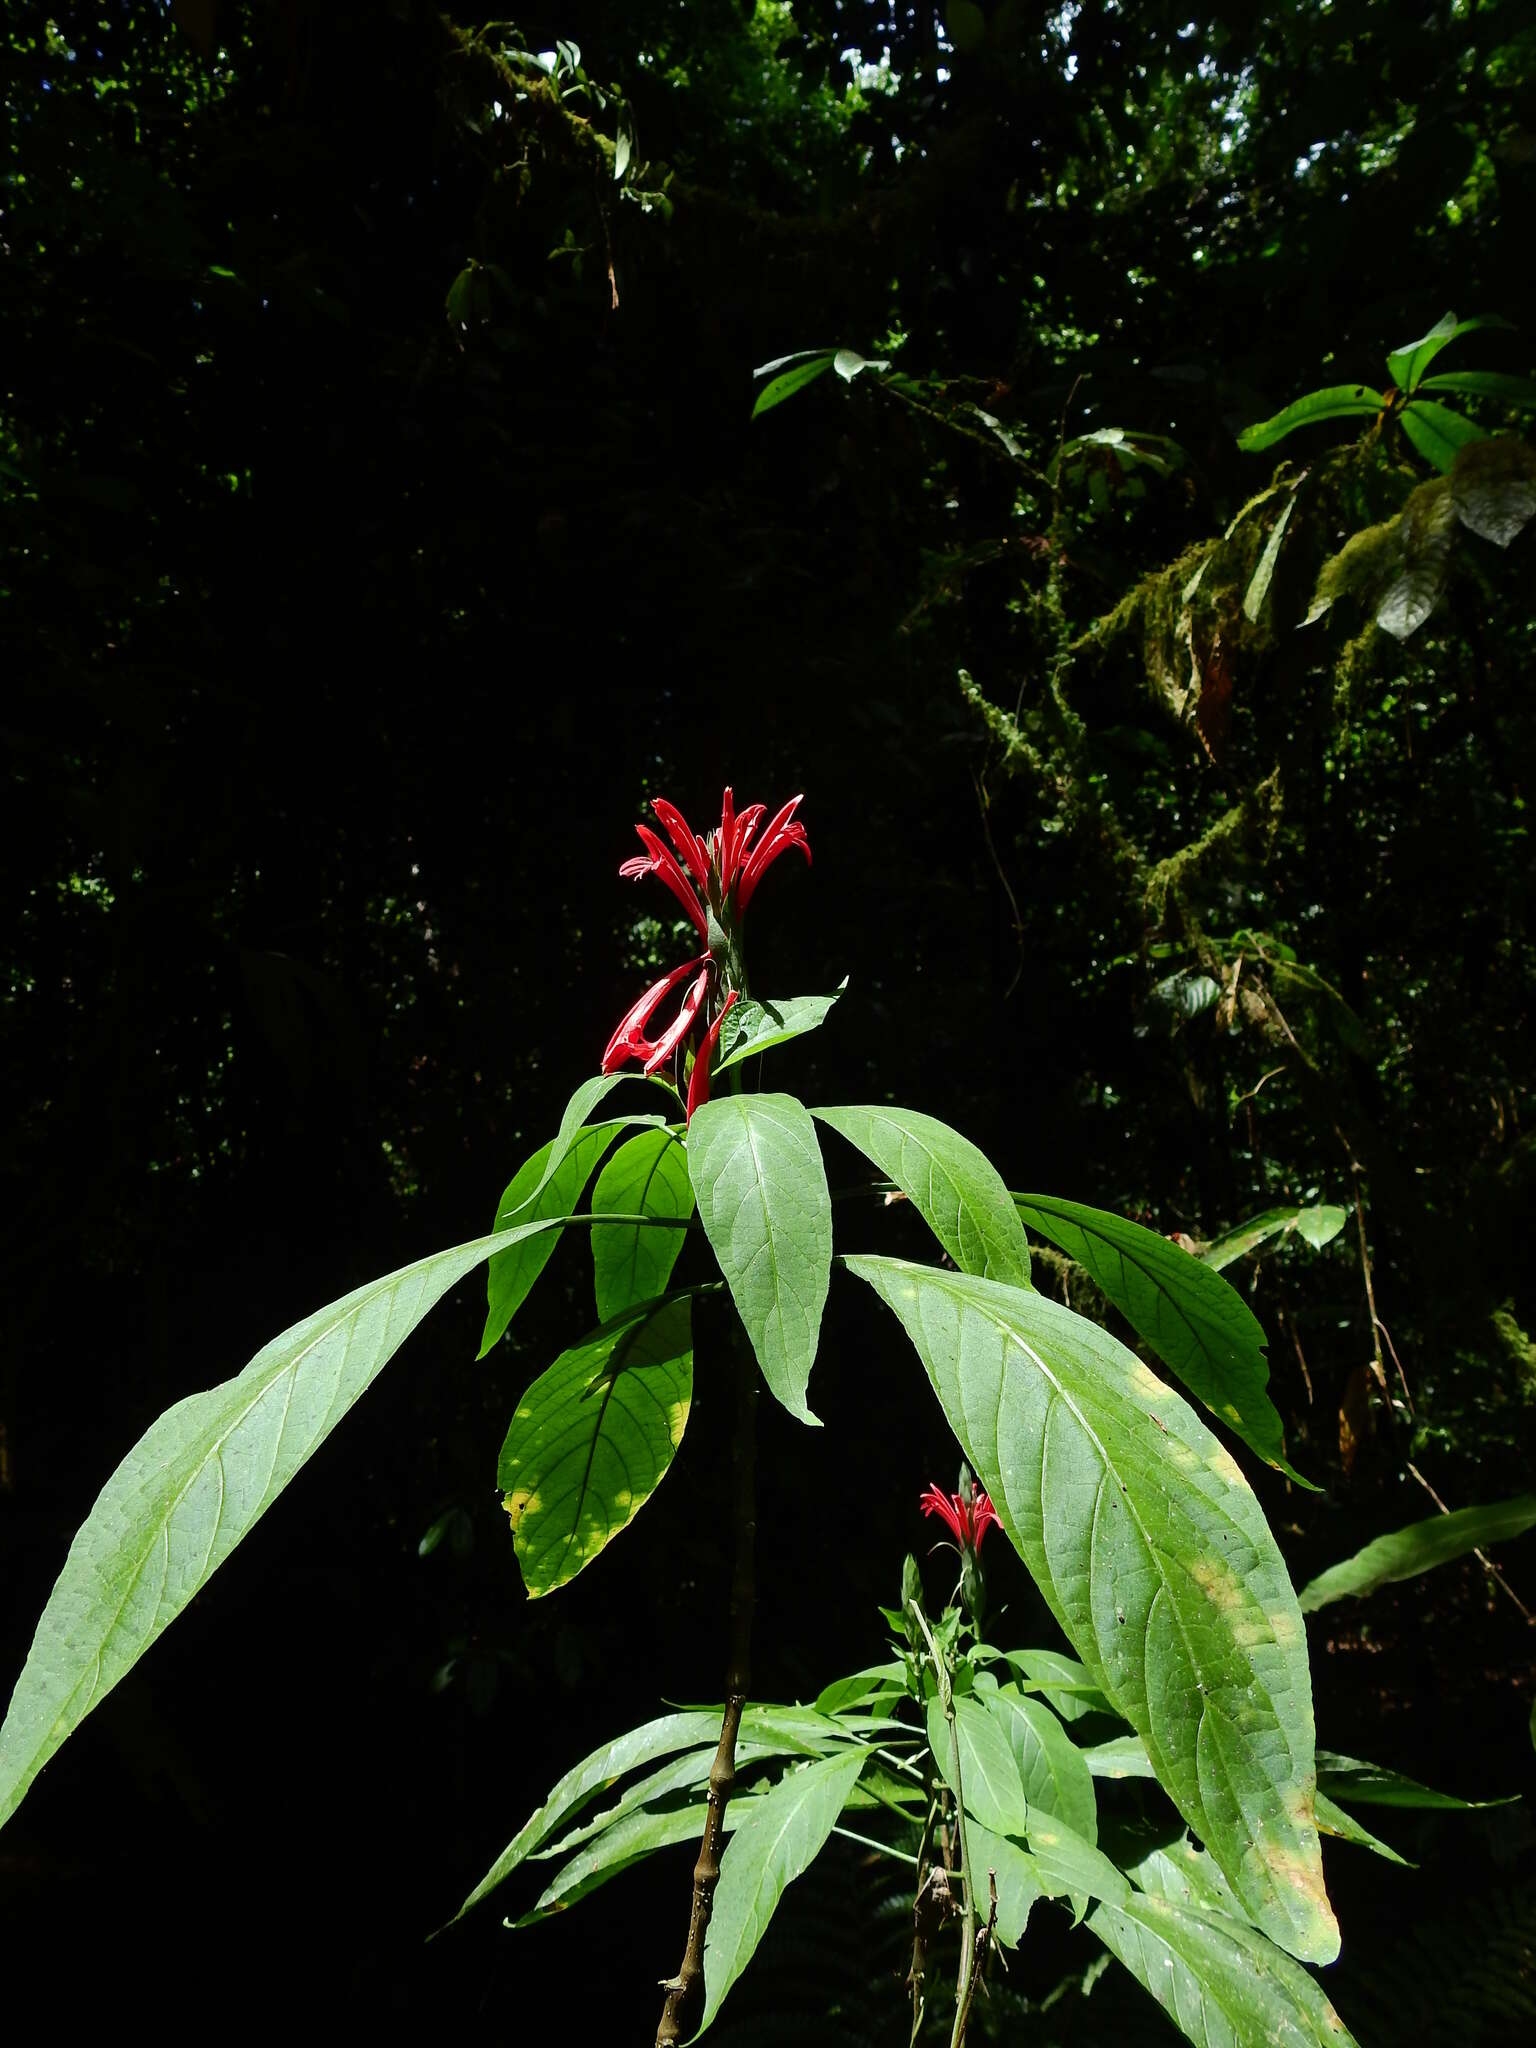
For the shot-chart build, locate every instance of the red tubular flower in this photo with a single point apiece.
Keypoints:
(967, 1524)
(629, 1041)
(681, 1024)
(698, 1080)
(662, 865)
(779, 837)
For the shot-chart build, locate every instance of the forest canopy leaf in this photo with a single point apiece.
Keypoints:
(1156, 1560)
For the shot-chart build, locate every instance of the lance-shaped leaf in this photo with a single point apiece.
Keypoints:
(1150, 1549)
(638, 1835)
(1264, 571)
(196, 1482)
(1419, 1548)
(1052, 1768)
(1406, 365)
(1516, 391)
(990, 1857)
(1061, 1680)
(510, 1274)
(954, 1187)
(648, 1176)
(1221, 1982)
(581, 1105)
(1183, 1875)
(753, 1027)
(1339, 401)
(763, 1200)
(788, 382)
(1199, 1326)
(782, 1835)
(989, 1774)
(1333, 1820)
(592, 1438)
(1361, 1784)
(1437, 432)
(1319, 1223)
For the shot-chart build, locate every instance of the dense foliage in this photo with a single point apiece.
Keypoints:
(385, 518)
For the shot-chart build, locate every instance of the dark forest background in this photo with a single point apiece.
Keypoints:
(383, 523)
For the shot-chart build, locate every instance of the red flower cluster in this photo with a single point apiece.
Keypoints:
(968, 1524)
(714, 879)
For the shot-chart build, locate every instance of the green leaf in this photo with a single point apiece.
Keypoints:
(1419, 1548)
(1319, 1224)
(1406, 365)
(1154, 1556)
(662, 1737)
(194, 1484)
(648, 1176)
(1437, 432)
(1066, 1864)
(1363, 1784)
(510, 1274)
(1124, 1756)
(989, 1773)
(592, 1438)
(1221, 1982)
(1062, 1680)
(1494, 485)
(754, 1027)
(875, 1682)
(763, 1200)
(1264, 570)
(1339, 401)
(638, 1835)
(954, 1187)
(781, 1837)
(1185, 1876)
(1200, 1327)
(1018, 1880)
(1051, 1767)
(577, 1110)
(1516, 391)
(791, 381)
(1333, 1820)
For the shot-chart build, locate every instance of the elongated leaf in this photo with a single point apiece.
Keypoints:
(581, 1105)
(1516, 391)
(1437, 432)
(1339, 401)
(1363, 1784)
(1419, 1548)
(782, 1835)
(1406, 365)
(876, 1682)
(1200, 1327)
(798, 355)
(638, 1835)
(1264, 569)
(1061, 1680)
(989, 1774)
(954, 1187)
(1150, 1549)
(1018, 1876)
(790, 381)
(1319, 1224)
(1052, 1769)
(753, 1027)
(1185, 1876)
(1123, 1756)
(592, 1439)
(1333, 1820)
(1066, 1864)
(193, 1485)
(510, 1274)
(611, 1760)
(1221, 1982)
(763, 1200)
(648, 1176)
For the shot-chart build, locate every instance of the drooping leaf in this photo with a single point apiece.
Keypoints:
(782, 1835)
(989, 1772)
(753, 1027)
(1333, 1820)
(611, 1760)
(1051, 1767)
(1516, 391)
(954, 1187)
(1319, 1224)
(1264, 569)
(1427, 527)
(790, 381)
(510, 1274)
(1363, 1784)
(638, 1835)
(1419, 1548)
(648, 1176)
(196, 1482)
(581, 1105)
(1494, 483)
(1220, 1981)
(1406, 365)
(592, 1438)
(1339, 401)
(1437, 432)
(1150, 1549)
(763, 1200)
(1199, 1326)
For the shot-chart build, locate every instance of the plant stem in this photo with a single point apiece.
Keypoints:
(967, 1903)
(685, 1992)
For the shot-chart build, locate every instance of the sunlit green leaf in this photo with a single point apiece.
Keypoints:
(1516, 391)
(1333, 1820)
(648, 1176)
(753, 1027)
(1406, 365)
(1051, 1767)
(1362, 1784)
(1339, 401)
(954, 1187)
(1319, 1224)
(791, 381)
(510, 1274)
(989, 1772)
(1437, 432)
(1419, 1548)
(1150, 1549)
(1264, 569)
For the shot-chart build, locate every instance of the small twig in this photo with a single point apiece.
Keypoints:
(919, 1969)
(1378, 1328)
(1493, 1570)
(880, 1848)
(988, 1935)
(967, 1902)
(1287, 1322)
(983, 804)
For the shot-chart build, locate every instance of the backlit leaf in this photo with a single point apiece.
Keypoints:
(647, 1176)
(954, 1187)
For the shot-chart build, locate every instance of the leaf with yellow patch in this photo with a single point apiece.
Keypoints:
(592, 1439)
